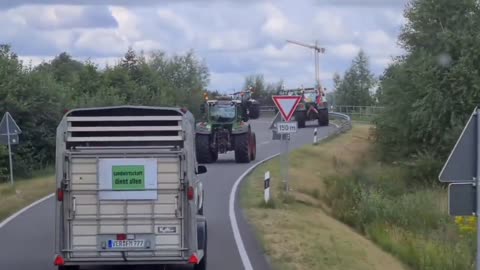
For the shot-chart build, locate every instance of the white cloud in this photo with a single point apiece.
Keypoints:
(44, 17)
(277, 24)
(345, 51)
(231, 40)
(127, 22)
(381, 61)
(34, 60)
(234, 80)
(168, 16)
(394, 17)
(102, 41)
(379, 43)
(331, 26)
(147, 45)
(236, 38)
(286, 52)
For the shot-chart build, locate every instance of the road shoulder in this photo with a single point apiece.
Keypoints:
(297, 231)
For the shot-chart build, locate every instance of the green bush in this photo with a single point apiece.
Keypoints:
(37, 97)
(405, 219)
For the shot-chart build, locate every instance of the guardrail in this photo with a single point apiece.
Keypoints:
(267, 108)
(345, 121)
(358, 113)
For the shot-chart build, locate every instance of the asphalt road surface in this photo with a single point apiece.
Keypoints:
(26, 243)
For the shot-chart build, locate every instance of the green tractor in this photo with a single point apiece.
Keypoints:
(312, 106)
(225, 128)
(253, 106)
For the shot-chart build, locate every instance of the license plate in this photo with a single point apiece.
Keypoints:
(137, 243)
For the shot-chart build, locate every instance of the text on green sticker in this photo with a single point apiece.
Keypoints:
(128, 177)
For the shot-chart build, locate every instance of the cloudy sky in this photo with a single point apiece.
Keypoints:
(235, 37)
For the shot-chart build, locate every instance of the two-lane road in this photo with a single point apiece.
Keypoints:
(27, 241)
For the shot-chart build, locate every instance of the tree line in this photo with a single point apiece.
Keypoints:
(428, 93)
(37, 97)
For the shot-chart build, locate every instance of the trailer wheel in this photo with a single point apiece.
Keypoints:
(301, 117)
(323, 118)
(202, 230)
(242, 148)
(254, 111)
(204, 154)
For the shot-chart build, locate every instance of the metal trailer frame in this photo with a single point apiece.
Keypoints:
(181, 147)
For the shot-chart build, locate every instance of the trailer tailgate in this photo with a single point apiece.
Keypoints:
(124, 228)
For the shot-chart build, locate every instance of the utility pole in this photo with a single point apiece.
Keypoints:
(316, 50)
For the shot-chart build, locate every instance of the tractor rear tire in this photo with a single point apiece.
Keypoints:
(204, 154)
(254, 111)
(301, 118)
(242, 148)
(323, 119)
(214, 156)
(253, 145)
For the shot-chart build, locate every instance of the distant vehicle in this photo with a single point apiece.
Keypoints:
(127, 189)
(224, 128)
(313, 106)
(253, 106)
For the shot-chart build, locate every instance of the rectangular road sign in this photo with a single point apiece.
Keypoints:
(286, 127)
(462, 199)
(4, 139)
(461, 165)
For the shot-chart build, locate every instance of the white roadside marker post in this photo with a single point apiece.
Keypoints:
(315, 136)
(266, 189)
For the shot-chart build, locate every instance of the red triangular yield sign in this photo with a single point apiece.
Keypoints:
(286, 105)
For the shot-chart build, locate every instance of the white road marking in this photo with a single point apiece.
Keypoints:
(263, 143)
(233, 218)
(10, 218)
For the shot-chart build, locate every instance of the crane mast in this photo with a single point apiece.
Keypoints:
(317, 50)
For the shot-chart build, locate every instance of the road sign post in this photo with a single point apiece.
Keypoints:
(462, 169)
(286, 106)
(9, 152)
(477, 178)
(10, 130)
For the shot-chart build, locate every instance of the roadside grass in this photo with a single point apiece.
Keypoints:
(25, 192)
(297, 230)
(341, 180)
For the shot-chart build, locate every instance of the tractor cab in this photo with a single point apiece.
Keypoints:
(224, 110)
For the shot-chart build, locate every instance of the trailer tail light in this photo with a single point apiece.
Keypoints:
(190, 193)
(193, 259)
(60, 194)
(121, 236)
(59, 261)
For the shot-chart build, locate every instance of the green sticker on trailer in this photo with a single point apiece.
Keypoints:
(128, 177)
